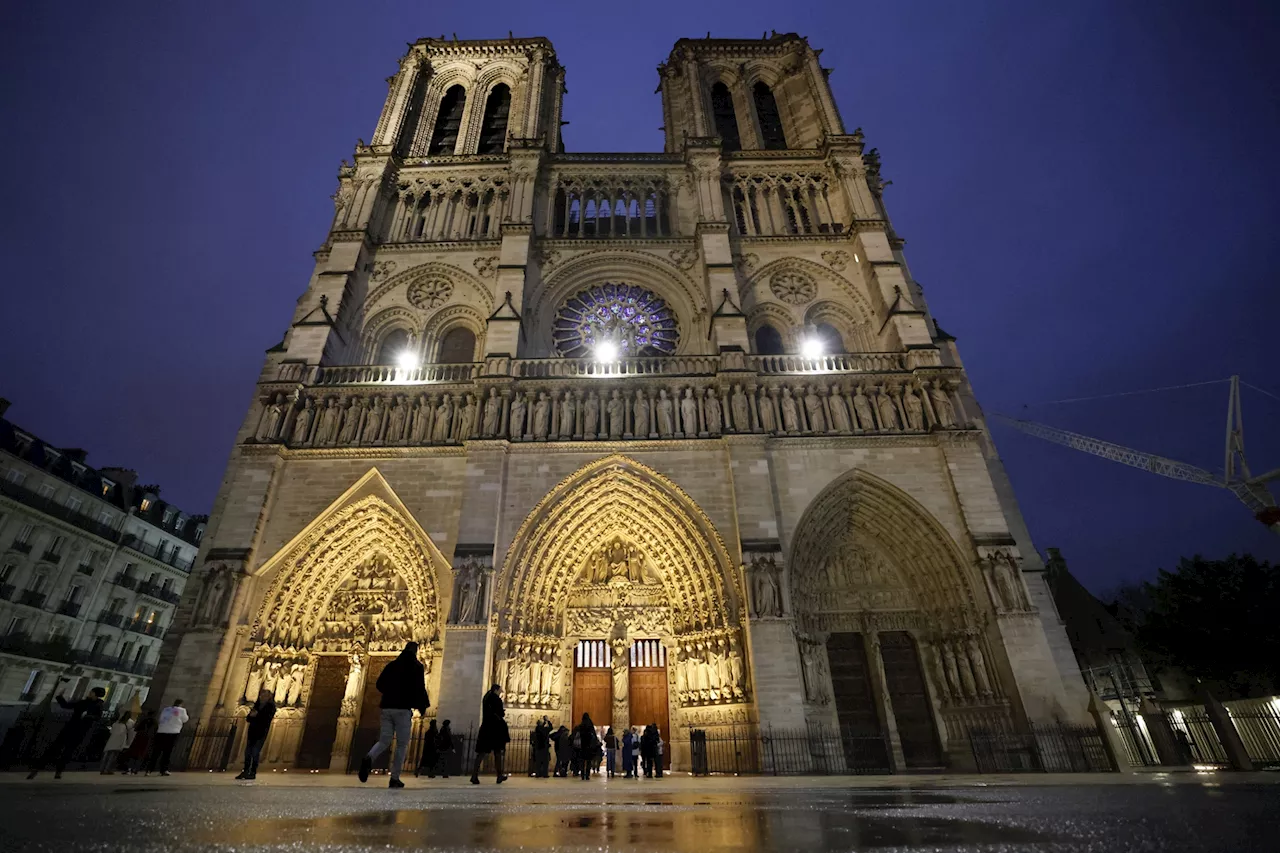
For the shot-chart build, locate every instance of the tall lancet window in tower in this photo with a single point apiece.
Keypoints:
(725, 118)
(444, 139)
(493, 131)
(769, 117)
(631, 320)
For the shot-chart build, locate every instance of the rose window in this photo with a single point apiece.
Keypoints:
(430, 293)
(631, 318)
(794, 288)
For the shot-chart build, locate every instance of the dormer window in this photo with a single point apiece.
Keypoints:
(107, 486)
(168, 517)
(146, 504)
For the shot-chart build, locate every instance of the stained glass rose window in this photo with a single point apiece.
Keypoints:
(635, 320)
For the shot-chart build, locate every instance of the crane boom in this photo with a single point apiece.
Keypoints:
(1116, 452)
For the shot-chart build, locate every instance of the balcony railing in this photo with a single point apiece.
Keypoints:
(140, 626)
(126, 581)
(51, 557)
(158, 592)
(6, 591)
(85, 569)
(69, 608)
(115, 620)
(61, 651)
(31, 598)
(21, 547)
(173, 557)
(27, 497)
(655, 398)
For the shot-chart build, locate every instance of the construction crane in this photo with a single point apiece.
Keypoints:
(1252, 491)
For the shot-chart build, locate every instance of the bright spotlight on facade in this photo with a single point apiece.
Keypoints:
(606, 351)
(407, 360)
(811, 347)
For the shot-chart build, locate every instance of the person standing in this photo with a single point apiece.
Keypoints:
(628, 760)
(143, 733)
(610, 751)
(168, 727)
(259, 724)
(403, 685)
(430, 751)
(444, 744)
(84, 713)
(649, 749)
(585, 746)
(563, 751)
(117, 742)
(493, 736)
(542, 748)
(657, 751)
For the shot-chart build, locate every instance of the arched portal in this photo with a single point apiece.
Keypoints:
(893, 638)
(614, 555)
(343, 598)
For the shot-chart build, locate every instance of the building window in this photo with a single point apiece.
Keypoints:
(57, 631)
(725, 118)
(13, 475)
(99, 645)
(146, 504)
(635, 321)
(140, 655)
(137, 613)
(74, 504)
(33, 683)
(168, 517)
(167, 585)
(104, 517)
(17, 627)
(393, 346)
(151, 578)
(444, 139)
(55, 547)
(46, 491)
(493, 130)
(116, 606)
(151, 618)
(38, 582)
(768, 341)
(129, 569)
(458, 346)
(75, 593)
(106, 486)
(770, 120)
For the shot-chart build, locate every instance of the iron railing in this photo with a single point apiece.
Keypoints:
(1044, 747)
(816, 750)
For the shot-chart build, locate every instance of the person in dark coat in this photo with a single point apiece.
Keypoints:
(649, 749)
(586, 746)
(259, 725)
(610, 752)
(143, 732)
(430, 751)
(564, 751)
(493, 735)
(542, 748)
(444, 746)
(628, 762)
(403, 685)
(85, 714)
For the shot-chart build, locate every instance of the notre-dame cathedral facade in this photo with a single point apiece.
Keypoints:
(665, 437)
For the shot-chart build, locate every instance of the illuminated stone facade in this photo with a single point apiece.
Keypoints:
(571, 420)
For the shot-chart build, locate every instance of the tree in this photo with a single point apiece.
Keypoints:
(1216, 620)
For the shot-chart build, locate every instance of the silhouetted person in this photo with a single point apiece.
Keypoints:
(117, 740)
(259, 726)
(430, 751)
(143, 734)
(628, 759)
(585, 746)
(168, 727)
(649, 754)
(444, 744)
(493, 736)
(541, 740)
(403, 685)
(564, 751)
(610, 751)
(84, 714)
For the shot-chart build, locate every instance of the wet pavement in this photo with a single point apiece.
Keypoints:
(335, 813)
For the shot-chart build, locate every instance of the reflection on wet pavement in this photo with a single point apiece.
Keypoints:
(675, 824)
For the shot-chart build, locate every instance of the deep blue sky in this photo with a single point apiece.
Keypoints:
(1089, 191)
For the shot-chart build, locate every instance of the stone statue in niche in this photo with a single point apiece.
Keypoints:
(541, 416)
(942, 407)
(738, 408)
(272, 414)
(351, 423)
(711, 412)
(492, 411)
(568, 410)
(813, 657)
(621, 674)
(591, 416)
(443, 420)
(862, 407)
(768, 422)
(327, 432)
(517, 417)
(790, 417)
(813, 408)
(467, 419)
(372, 429)
(888, 414)
(640, 411)
(765, 587)
(617, 414)
(839, 411)
(915, 411)
(689, 413)
(420, 431)
(396, 420)
(213, 601)
(302, 424)
(666, 414)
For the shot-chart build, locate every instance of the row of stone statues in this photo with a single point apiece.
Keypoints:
(709, 672)
(609, 414)
(960, 670)
(281, 679)
(531, 673)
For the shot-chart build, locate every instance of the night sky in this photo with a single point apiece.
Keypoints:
(1089, 192)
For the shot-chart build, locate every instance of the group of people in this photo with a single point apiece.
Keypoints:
(129, 745)
(583, 750)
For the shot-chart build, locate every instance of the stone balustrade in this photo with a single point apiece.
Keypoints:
(541, 400)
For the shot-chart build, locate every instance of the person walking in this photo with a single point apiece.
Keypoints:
(585, 746)
(444, 745)
(564, 751)
(136, 752)
(84, 713)
(259, 724)
(610, 752)
(493, 736)
(628, 762)
(168, 727)
(542, 748)
(430, 751)
(117, 742)
(403, 685)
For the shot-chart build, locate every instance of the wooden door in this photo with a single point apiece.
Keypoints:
(592, 694)
(911, 708)
(323, 707)
(369, 723)
(648, 688)
(860, 729)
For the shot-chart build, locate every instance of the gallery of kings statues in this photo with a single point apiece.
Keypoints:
(662, 437)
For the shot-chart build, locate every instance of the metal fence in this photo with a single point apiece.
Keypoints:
(786, 752)
(460, 761)
(28, 740)
(1047, 748)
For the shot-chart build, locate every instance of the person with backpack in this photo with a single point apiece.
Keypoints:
(493, 736)
(585, 746)
(403, 685)
(259, 725)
